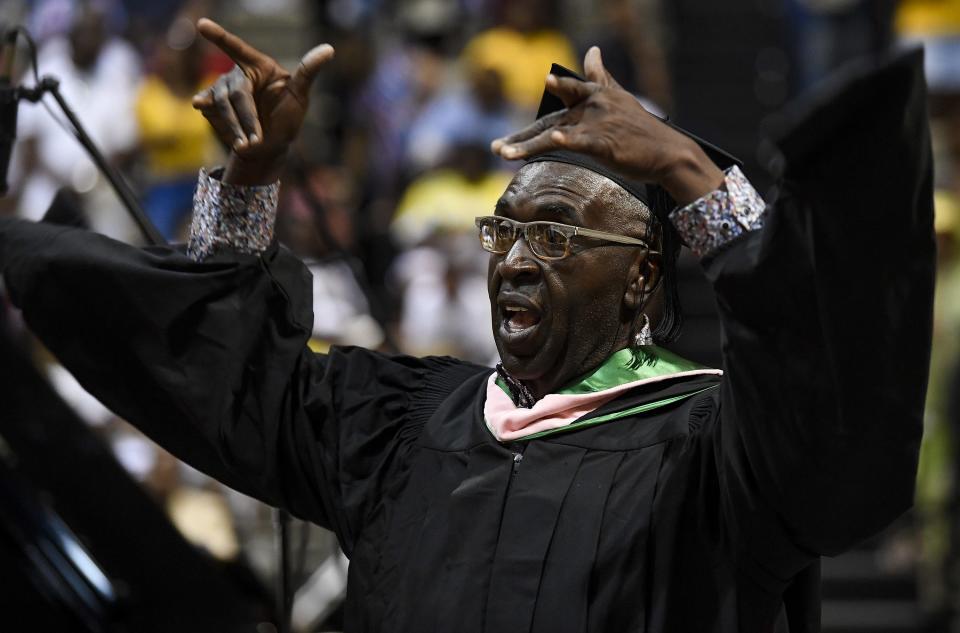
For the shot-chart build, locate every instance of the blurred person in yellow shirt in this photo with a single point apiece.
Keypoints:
(98, 73)
(175, 138)
(442, 284)
(449, 199)
(521, 50)
(929, 17)
(935, 24)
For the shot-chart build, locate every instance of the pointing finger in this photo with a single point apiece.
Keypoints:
(238, 50)
(307, 70)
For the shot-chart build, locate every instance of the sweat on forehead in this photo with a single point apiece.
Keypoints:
(535, 177)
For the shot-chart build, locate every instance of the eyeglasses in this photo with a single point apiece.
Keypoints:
(547, 240)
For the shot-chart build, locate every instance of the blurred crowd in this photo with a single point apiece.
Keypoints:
(381, 191)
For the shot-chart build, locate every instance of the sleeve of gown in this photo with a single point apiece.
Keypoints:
(210, 360)
(826, 318)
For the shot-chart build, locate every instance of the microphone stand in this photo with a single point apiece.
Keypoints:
(284, 581)
(51, 85)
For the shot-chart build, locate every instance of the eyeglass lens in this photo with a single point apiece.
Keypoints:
(543, 239)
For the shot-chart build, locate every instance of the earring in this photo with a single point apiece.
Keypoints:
(644, 337)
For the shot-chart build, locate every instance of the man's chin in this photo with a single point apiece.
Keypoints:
(516, 367)
(520, 343)
(528, 367)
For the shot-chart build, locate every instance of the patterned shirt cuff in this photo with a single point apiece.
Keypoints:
(710, 223)
(231, 217)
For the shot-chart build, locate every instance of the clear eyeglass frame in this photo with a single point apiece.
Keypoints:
(549, 241)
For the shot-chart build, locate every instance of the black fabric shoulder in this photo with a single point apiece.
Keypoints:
(393, 389)
(457, 424)
(703, 410)
(443, 375)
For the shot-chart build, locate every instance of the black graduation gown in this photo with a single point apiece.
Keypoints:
(706, 515)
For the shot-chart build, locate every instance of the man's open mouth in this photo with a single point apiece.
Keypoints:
(518, 318)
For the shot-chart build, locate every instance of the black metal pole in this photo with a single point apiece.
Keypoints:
(284, 582)
(126, 195)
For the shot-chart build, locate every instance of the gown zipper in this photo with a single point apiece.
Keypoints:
(517, 449)
(517, 458)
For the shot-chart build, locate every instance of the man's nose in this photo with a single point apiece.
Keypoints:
(519, 262)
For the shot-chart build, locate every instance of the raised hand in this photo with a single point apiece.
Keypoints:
(605, 121)
(258, 107)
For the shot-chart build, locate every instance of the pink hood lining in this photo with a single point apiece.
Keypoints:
(508, 422)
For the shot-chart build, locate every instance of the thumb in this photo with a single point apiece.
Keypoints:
(594, 69)
(307, 70)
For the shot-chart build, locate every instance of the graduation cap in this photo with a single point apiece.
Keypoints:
(655, 197)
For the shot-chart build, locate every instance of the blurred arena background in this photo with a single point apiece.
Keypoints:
(379, 200)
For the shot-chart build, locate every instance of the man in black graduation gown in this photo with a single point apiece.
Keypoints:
(596, 482)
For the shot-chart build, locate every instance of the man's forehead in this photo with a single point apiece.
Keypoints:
(550, 176)
(552, 190)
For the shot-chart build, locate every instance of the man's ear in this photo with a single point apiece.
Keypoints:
(644, 280)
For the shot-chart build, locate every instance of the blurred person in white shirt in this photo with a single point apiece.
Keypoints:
(99, 74)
